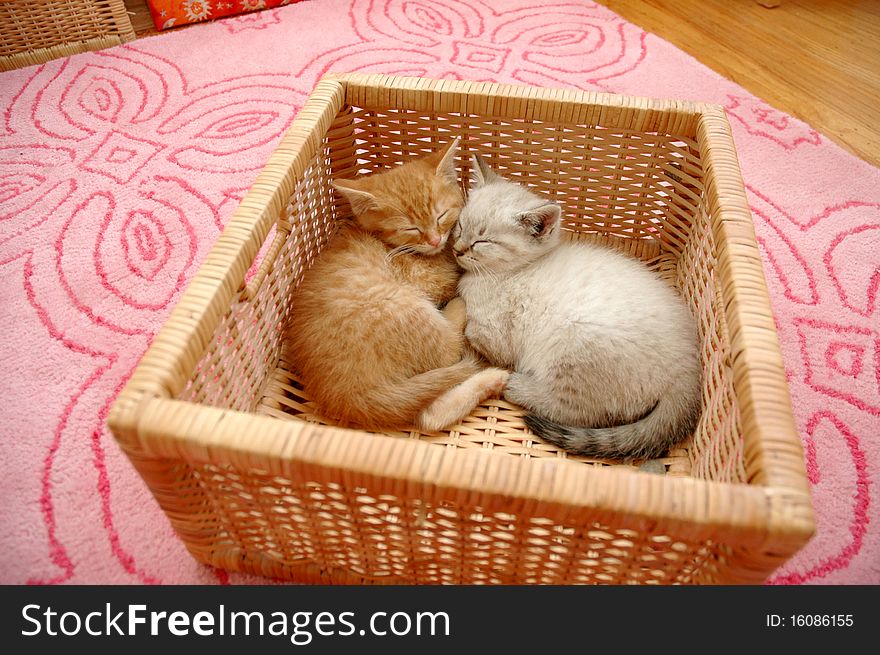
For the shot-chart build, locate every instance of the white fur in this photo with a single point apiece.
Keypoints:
(592, 336)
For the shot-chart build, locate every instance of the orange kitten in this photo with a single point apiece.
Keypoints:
(366, 332)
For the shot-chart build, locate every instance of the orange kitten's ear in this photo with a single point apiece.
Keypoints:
(445, 159)
(359, 199)
(481, 174)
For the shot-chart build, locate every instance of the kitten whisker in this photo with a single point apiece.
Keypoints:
(485, 271)
(399, 250)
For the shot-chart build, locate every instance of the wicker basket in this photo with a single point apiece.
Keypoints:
(36, 31)
(253, 480)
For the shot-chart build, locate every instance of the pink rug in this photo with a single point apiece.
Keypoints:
(119, 168)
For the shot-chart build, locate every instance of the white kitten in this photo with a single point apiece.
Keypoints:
(604, 352)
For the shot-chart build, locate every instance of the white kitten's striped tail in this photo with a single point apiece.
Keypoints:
(672, 419)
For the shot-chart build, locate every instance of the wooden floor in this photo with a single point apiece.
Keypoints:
(818, 60)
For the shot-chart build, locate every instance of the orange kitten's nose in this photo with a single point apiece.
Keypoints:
(434, 241)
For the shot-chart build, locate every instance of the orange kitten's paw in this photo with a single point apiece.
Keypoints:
(454, 405)
(495, 381)
(456, 312)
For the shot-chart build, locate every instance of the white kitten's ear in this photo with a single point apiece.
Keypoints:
(541, 221)
(359, 199)
(446, 165)
(481, 174)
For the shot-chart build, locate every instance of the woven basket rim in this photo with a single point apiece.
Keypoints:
(774, 505)
(211, 435)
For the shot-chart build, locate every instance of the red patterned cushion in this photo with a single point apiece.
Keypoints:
(172, 13)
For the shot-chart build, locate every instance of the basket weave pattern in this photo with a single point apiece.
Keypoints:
(253, 479)
(37, 31)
